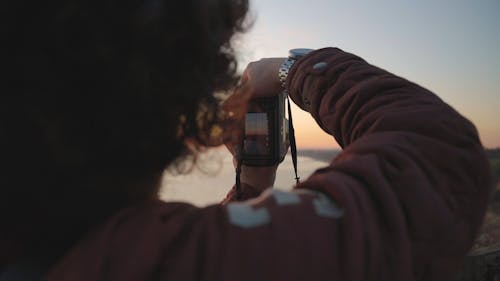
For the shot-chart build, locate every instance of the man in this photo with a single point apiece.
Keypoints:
(121, 101)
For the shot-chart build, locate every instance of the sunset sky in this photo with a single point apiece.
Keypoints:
(451, 47)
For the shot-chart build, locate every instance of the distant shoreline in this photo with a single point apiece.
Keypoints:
(323, 155)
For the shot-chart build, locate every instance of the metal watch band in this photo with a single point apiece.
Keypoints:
(294, 55)
(284, 69)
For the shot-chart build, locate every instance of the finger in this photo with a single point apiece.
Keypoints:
(236, 105)
(232, 139)
(233, 133)
(244, 76)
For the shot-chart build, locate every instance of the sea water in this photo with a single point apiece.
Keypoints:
(213, 176)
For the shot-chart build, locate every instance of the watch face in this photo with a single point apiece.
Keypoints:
(297, 53)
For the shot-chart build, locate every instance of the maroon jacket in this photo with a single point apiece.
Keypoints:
(403, 201)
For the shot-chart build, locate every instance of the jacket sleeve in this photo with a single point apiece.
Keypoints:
(412, 177)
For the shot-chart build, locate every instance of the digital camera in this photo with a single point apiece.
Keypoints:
(266, 134)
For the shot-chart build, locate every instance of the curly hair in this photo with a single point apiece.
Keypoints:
(99, 97)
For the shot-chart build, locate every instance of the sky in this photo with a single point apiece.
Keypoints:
(450, 47)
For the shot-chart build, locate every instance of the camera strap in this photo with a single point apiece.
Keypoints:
(239, 162)
(293, 145)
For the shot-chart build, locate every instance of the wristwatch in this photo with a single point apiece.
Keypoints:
(293, 56)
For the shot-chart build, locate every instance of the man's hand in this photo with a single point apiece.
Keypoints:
(260, 79)
(259, 178)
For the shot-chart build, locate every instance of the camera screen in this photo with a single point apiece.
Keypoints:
(256, 134)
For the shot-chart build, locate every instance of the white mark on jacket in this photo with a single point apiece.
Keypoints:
(326, 207)
(320, 65)
(283, 198)
(243, 215)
